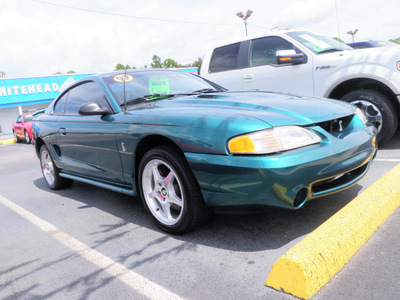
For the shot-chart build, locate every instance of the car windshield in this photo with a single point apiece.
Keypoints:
(318, 43)
(143, 86)
(28, 118)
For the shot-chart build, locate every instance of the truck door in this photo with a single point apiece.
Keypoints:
(225, 65)
(264, 73)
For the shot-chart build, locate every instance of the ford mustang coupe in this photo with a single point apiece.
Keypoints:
(189, 147)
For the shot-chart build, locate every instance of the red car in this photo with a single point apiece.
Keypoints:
(22, 129)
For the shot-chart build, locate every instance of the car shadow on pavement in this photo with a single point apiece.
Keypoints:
(246, 232)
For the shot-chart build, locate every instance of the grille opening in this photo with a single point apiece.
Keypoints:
(338, 181)
(336, 125)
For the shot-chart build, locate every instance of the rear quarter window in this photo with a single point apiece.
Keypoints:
(225, 58)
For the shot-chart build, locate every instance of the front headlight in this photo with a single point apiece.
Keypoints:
(272, 140)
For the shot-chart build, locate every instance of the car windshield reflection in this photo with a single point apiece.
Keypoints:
(135, 88)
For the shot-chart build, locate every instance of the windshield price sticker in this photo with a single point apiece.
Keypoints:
(159, 85)
(123, 78)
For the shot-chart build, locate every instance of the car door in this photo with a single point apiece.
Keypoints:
(264, 73)
(86, 144)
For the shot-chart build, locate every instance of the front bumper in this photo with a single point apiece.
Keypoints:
(286, 179)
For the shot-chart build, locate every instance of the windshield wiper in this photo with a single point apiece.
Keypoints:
(148, 98)
(207, 90)
(330, 50)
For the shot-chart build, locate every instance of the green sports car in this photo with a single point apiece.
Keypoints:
(189, 147)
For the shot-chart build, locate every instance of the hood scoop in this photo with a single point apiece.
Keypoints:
(213, 96)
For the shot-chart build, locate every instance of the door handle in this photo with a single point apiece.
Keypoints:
(62, 131)
(248, 77)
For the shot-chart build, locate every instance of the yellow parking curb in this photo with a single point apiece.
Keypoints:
(309, 265)
(6, 142)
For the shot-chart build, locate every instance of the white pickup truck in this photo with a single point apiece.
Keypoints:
(304, 63)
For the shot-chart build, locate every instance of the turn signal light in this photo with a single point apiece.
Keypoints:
(241, 144)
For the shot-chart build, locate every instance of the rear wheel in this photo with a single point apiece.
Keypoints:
(170, 192)
(379, 110)
(27, 137)
(16, 137)
(51, 172)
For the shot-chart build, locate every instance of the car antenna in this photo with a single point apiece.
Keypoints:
(124, 92)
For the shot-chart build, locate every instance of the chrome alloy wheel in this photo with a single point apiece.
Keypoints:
(372, 112)
(27, 138)
(163, 192)
(47, 167)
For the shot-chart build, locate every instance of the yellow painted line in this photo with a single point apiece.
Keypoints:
(310, 264)
(136, 281)
(8, 141)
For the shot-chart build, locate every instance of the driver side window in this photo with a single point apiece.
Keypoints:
(82, 94)
(263, 50)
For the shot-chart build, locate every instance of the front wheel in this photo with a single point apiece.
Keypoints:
(379, 111)
(170, 192)
(51, 172)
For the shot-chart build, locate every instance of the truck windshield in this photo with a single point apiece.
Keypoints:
(318, 43)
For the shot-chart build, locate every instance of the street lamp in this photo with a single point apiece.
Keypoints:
(244, 17)
(352, 33)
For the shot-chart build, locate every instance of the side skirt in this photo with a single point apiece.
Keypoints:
(99, 184)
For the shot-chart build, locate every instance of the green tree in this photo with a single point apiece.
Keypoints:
(121, 67)
(57, 73)
(71, 72)
(156, 64)
(2, 74)
(170, 63)
(397, 41)
(197, 63)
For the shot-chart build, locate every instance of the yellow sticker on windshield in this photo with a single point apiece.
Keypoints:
(159, 85)
(123, 78)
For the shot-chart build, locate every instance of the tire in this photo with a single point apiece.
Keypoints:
(27, 137)
(379, 110)
(170, 192)
(51, 172)
(16, 137)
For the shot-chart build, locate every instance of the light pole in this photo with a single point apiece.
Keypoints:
(352, 33)
(244, 17)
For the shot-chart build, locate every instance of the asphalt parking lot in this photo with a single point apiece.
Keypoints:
(101, 244)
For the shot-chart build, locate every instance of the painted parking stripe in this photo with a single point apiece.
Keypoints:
(136, 281)
(396, 160)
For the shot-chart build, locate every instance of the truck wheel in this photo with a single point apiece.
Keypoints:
(379, 110)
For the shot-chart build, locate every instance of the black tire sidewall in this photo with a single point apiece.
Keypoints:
(386, 108)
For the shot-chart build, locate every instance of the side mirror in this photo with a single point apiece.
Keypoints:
(93, 109)
(289, 57)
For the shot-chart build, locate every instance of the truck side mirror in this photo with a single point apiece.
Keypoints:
(289, 57)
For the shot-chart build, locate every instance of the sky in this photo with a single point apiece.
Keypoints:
(42, 37)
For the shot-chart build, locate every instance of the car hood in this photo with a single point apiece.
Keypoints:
(274, 109)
